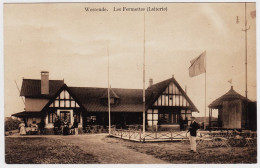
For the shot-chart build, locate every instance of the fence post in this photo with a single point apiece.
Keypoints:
(140, 135)
(156, 129)
(171, 134)
(129, 134)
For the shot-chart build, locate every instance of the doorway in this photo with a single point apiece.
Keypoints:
(65, 116)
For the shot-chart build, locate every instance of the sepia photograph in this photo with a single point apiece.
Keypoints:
(122, 83)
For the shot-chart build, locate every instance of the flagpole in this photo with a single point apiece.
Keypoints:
(144, 85)
(205, 90)
(108, 95)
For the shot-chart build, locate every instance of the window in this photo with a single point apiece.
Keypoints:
(112, 101)
(62, 103)
(170, 100)
(168, 118)
(183, 114)
(171, 96)
(64, 100)
(152, 117)
(188, 116)
(76, 116)
(62, 95)
(67, 96)
(160, 101)
(72, 103)
(51, 117)
(56, 103)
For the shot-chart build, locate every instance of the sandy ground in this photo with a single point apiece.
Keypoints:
(109, 151)
(99, 148)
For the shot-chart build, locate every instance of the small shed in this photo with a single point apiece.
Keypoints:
(234, 111)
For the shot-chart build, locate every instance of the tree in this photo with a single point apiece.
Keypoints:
(11, 124)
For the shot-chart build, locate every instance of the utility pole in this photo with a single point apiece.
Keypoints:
(245, 30)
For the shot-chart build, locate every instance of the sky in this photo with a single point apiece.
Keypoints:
(73, 44)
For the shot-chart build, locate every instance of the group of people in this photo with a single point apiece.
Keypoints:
(33, 128)
(63, 128)
(59, 127)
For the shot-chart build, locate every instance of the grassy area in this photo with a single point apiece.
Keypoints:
(179, 153)
(40, 150)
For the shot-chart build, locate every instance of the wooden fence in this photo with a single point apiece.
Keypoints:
(208, 138)
(150, 136)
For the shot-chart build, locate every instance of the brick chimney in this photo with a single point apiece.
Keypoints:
(150, 82)
(44, 82)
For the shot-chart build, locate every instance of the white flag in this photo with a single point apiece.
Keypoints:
(198, 65)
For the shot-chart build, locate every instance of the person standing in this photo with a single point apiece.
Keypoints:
(42, 127)
(22, 128)
(66, 128)
(194, 126)
(57, 126)
(75, 125)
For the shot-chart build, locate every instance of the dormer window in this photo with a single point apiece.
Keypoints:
(113, 101)
(114, 98)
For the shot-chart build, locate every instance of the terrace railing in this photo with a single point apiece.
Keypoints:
(222, 138)
(128, 134)
(137, 135)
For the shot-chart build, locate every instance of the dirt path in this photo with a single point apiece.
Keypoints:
(109, 151)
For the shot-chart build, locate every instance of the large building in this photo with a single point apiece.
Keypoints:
(167, 104)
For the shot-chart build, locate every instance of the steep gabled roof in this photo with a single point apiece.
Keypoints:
(90, 98)
(130, 100)
(63, 87)
(32, 88)
(154, 91)
(229, 96)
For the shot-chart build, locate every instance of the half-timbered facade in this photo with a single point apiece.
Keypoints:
(171, 107)
(64, 106)
(167, 104)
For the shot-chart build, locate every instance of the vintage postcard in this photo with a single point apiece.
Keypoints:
(162, 84)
